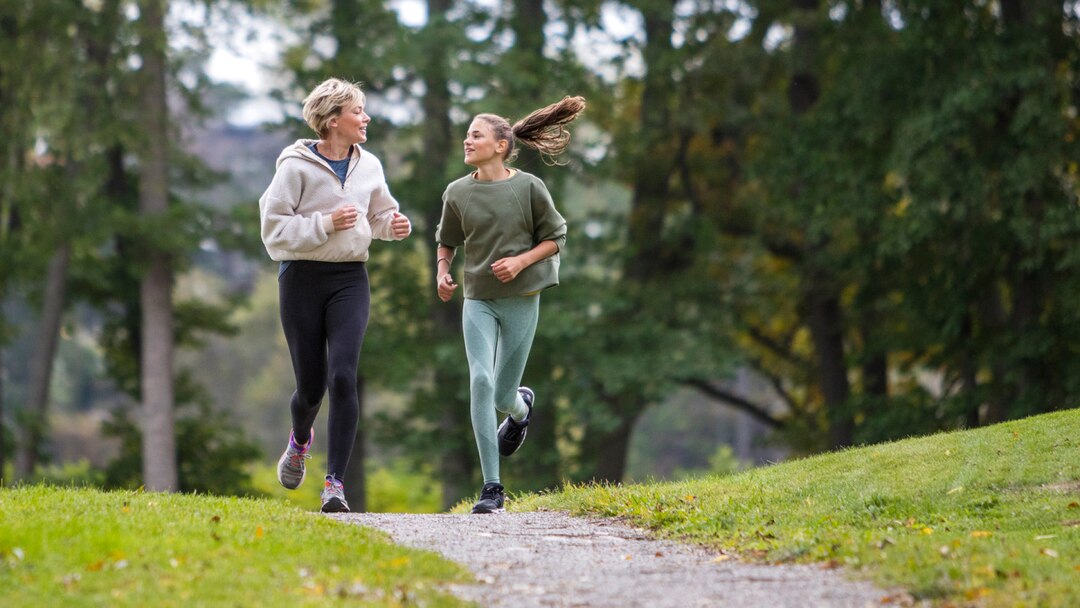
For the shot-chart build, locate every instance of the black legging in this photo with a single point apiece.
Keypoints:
(324, 312)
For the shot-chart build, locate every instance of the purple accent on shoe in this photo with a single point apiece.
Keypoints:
(300, 447)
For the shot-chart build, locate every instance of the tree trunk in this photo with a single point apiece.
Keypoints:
(650, 259)
(821, 302)
(458, 465)
(654, 162)
(356, 474)
(528, 85)
(824, 319)
(155, 292)
(3, 427)
(609, 451)
(35, 411)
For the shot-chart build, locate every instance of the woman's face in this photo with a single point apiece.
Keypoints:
(480, 144)
(351, 124)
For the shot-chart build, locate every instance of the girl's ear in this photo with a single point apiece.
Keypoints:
(500, 146)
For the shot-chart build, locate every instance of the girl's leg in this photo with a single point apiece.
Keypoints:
(301, 299)
(480, 326)
(518, 318)
(346, 322)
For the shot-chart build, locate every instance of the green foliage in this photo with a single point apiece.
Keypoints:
(987, 515)
(212, 454)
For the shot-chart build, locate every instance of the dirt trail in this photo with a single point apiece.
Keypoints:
(525, 560)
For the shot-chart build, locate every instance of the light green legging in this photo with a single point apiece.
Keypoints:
(498, 336)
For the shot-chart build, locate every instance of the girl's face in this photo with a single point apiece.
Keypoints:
(351, 124)
(480, 144)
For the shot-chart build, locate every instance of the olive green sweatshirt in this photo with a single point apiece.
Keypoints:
(499, 219)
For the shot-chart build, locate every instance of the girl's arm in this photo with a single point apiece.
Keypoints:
(507, 269)
(444, 281)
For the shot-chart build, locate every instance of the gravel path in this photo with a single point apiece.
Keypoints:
(546, 559)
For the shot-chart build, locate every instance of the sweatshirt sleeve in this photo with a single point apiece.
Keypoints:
(381, 210)
(450, 232)
(282, 227)
(548, 223)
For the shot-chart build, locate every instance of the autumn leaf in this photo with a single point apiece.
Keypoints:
(980, 534)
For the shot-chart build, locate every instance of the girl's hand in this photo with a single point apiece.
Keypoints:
(344, 217)
(400, 226)
(507, 269)
(447, 287)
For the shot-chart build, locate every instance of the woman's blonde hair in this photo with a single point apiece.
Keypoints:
(328, 100)
(543, 130)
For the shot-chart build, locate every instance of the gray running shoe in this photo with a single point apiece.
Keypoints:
(333, 496)
(290, 468)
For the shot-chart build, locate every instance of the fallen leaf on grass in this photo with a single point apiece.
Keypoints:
(1073, 505)
(258, 532)
(928, 530)
(1045, 536)
(724, 558)
(1048, 552)
(976, 593)
(955, 490)
(980, 534)
(885, 542)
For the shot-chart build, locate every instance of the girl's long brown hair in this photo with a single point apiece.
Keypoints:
(543, 130)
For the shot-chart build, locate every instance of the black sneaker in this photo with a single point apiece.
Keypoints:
(491, 499)
(512, 432)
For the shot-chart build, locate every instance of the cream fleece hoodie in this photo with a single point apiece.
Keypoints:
(296, 209)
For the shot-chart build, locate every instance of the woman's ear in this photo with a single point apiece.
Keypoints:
(500, 146)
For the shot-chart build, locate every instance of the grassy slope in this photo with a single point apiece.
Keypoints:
(989, 516)
(83, 547)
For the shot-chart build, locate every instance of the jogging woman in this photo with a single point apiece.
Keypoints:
(326, 203)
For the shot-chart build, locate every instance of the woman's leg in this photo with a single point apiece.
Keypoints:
(517, 328)
(480, 326)
(301, 297)
(346, 322)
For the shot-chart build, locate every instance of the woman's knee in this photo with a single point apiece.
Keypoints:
(309, 397)
(342, 382)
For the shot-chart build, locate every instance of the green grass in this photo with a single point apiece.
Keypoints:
(989, 516)
(81, 547)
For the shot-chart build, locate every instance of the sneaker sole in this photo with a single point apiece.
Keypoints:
(505, 451)
(335, 506)
(484, 512)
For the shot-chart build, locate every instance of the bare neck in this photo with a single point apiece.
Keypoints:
(493, 171)
(334, 148)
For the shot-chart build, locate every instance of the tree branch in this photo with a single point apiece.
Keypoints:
(756, 411)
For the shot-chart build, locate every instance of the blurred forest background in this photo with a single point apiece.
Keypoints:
(795, 225)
